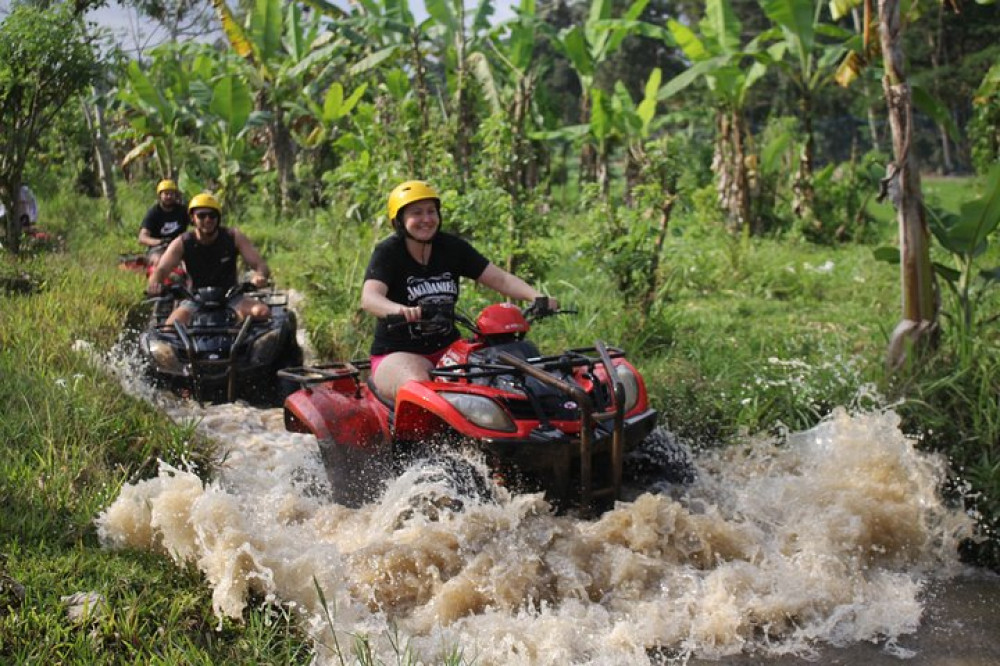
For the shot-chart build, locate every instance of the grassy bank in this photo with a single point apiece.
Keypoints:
(71, 438)
(747, 335)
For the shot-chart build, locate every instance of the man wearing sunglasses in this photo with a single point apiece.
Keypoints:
(210, 253)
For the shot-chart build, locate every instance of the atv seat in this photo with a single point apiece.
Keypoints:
(391, 404)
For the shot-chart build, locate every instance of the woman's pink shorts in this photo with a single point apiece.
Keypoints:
(432, 357)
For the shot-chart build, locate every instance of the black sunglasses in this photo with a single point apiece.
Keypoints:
(206, 215)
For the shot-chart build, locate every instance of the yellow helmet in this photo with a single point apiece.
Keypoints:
(204, 200)
(407, 193)
(166, 185)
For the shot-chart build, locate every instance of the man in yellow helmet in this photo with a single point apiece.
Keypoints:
(164, 221)
(210, 253)
(421, 265)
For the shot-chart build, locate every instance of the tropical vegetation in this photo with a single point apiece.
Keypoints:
(690, 176)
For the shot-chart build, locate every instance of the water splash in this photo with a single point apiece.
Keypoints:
(781, 546)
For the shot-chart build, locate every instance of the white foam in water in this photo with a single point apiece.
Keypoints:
(824, 538)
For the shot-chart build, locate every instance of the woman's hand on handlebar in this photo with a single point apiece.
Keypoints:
(543, 306)
(411, 315)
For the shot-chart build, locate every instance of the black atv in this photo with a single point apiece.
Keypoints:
(218, 357)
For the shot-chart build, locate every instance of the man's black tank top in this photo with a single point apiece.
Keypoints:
(211, 265)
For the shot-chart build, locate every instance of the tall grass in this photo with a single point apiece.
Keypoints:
(71, 438)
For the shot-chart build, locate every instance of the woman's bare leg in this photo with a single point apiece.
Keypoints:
(397, 369)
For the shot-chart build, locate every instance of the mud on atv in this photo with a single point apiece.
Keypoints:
(218, 357)
(558, 423)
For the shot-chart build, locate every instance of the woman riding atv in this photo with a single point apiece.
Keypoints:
(417, 267)
(210, 254)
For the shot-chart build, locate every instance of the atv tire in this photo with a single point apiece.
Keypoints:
(444, 483)
(660, 458)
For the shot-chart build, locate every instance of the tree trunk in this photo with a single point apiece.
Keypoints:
(525, 158)
(10, 202)
(918, 325)
(588, 154)
(284, 158)
(464, 115)
(934, 41)
(804, 201)
(420, 81)
(653, 279)
(604, 172)
(729, 163)
(860, 27)
(94, 116)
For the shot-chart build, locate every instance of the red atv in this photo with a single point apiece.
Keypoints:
(561, 423)
(140, 263)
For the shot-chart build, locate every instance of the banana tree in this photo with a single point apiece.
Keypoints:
(507, 70)
(807, 51)
(617, 121)
(281, 51)
(718, 60)
(458, 40)
(586, 47)
(918, 324)
(632, 240)
(327, 113)
(390, 37)
(94, 107)
(157, 99)
(228, 123)
(636, 124)
(966, 237)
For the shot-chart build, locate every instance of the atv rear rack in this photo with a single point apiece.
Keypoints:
(310, 375)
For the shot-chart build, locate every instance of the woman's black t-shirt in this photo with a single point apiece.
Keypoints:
(411, 284)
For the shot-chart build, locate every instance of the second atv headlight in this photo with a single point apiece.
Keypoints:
(631, 383)
(481, 411)
(165, 356)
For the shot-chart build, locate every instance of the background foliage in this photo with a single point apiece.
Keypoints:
(672, 210)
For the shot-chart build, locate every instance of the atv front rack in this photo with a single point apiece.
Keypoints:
(589, 415)
(199, 365)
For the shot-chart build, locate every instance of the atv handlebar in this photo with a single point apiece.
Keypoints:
(445, 313)
(540, 309)
(178, 290)
(430, 313)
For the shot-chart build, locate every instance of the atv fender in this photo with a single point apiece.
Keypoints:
(303, 412)
(355, 449)
(422, 413)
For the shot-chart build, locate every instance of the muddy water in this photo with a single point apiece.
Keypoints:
(830, 545)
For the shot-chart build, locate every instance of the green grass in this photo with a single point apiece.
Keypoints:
(745, 335)
(71, 439)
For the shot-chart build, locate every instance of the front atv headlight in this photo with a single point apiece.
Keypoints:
(631, 383)
(165, 357)
(481, 411)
